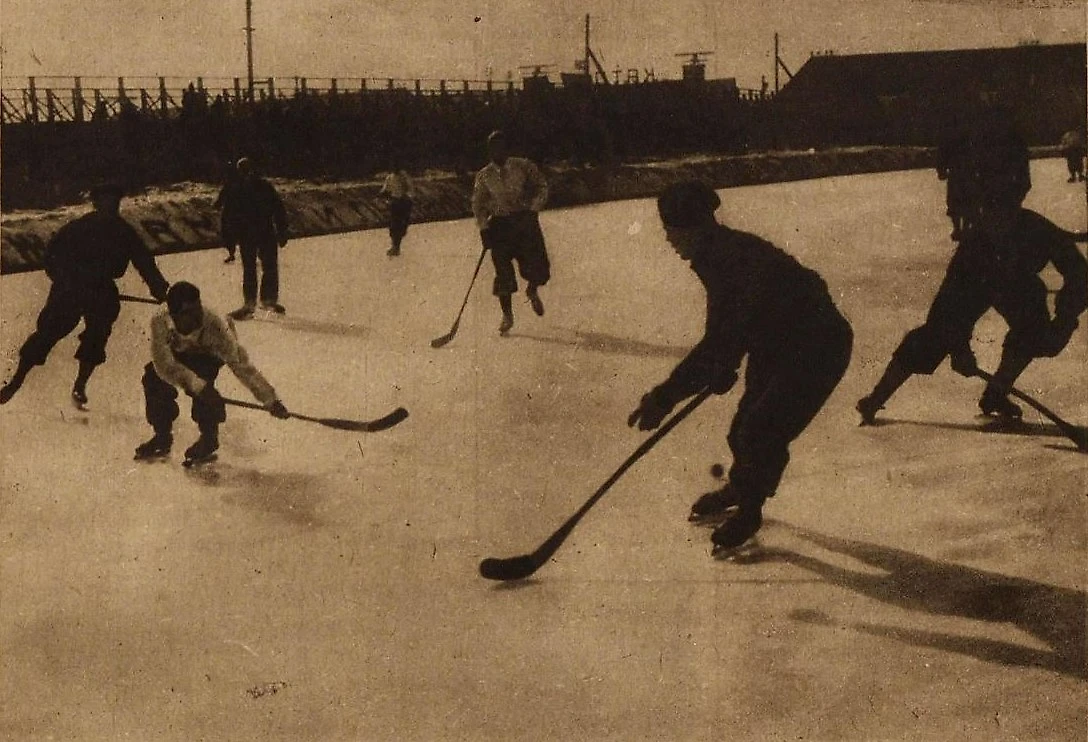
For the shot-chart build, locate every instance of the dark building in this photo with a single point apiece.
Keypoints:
(905, 98)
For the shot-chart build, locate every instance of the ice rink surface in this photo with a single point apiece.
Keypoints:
(923, 579)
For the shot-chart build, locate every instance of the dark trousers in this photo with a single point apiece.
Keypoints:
(517, 238)
(1074, 160)
(267, 250)
(964, 296)
(97, 306)
(400, 214)
(161, 398)
(782, 394)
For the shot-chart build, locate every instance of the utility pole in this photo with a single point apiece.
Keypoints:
(586, 52)
(776, 63)
(249, 48)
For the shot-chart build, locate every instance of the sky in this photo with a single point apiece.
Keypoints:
(464, 39)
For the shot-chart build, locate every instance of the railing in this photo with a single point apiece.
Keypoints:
(80, 99)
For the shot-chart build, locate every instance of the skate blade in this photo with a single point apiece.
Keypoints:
(159, 457)
(197, 463)
(711, 521)
(749, 552)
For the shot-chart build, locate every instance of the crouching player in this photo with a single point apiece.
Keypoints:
(189, 344)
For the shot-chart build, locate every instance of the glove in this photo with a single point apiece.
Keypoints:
(1056, 337)
(963, 363)
(159, 292)
(276, 409)
(651, 411)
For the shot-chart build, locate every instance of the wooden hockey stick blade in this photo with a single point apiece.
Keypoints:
(141, 299)
(439, 342)
(359, 426)
(367, 426)
(525, 565)
(1079, 436)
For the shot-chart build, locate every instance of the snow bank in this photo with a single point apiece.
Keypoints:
(186, 219)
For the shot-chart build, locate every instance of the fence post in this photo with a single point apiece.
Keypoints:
(77, 100)
(122, 95)
(32, 99)
(271, 87)
(237, 89)
(419, 87)
(332, 86)
(163, 97)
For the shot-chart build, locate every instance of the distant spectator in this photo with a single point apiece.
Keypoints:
(1073, 150)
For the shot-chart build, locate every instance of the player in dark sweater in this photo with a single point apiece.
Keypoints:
(83, 259)
(763, 304)
(996, 265)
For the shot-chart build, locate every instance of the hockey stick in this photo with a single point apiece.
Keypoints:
(439, 342)
(141, 299)
(1079, 436)
(520, 567)
(359, 426)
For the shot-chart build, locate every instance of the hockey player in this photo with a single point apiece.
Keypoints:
(761, 303)
(996, 265)
(257, 221)
(953, 168)
(400, 190)
(189, 344)
(508, 193)
(83, 260)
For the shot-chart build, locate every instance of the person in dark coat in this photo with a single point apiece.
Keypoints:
(997, 265)
(763, 304)
(257, 220)
(953, 168)
(83, 260)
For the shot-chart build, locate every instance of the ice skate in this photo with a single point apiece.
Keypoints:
(156, 448)
(506, 324)
(534, 300)
(242, 313)
(275, 307)
(868, 409)
(201, 452)
(736, 535)
(712, 507)
(79, 397)
(999, 406)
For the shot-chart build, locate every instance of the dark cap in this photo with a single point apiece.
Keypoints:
(106, 189)
(688, 204)
(181, 294)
